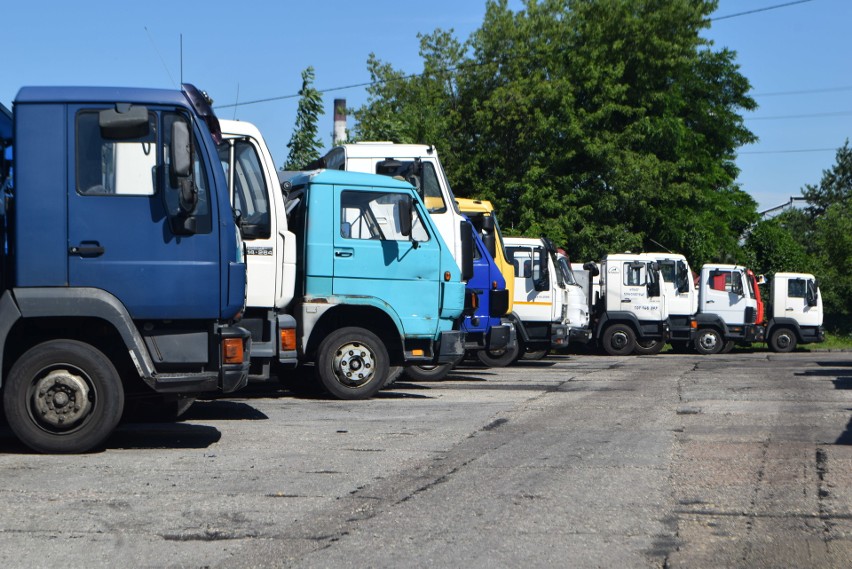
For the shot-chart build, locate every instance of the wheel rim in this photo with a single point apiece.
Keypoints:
(61, 398)
(708, 341)
(619, 340)
(784, 341)
(354, 364)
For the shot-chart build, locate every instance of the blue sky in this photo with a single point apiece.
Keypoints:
(794, 56)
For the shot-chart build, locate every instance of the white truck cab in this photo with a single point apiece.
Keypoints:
(631, 315)
(550, 307)
(796, 312)
(415, 163)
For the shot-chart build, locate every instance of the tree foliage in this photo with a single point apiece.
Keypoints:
(605, 124)
(305, 145)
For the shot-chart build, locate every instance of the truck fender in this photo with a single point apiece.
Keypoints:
(46, 302)
(520, 329)
(710, 320)
(618, 316)
(790, 323)
(323, 314)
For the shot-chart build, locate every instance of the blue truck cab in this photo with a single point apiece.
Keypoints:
(376, 285)
(122, 269)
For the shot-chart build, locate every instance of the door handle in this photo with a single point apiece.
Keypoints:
(343, 253)
(625, 300)
(710, 302)
(86, 250)
(790, 309)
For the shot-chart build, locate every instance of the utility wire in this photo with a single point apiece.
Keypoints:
(755, 11)
(805, 92)
(804, 150)
(413, 75)
(809, 116)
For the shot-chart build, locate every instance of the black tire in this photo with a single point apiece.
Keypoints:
(648, 347)
(501, 358)
(782, 340)
(352, 363)
(394, 373)
(619, 340)
(708, 341)
(728, 347)
(428, 372)
(63, 396)
(536, 355)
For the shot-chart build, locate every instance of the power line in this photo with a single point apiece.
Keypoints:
(809, 116)
(788, 151)
(755, 11)
(805, 92)
(413, 75)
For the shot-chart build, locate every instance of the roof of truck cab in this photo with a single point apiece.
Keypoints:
(468, 205)
(99, 95)
(382, 150)
(344, 178)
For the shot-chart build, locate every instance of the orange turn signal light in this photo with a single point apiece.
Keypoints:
(232, 351)
(288, 339)
(447, 276)
(417, 352)
(693, 324)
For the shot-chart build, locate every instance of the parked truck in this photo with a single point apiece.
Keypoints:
(419, 164)
(630, 315)
(347, 272)
(550, 307)
(796, 312)
(122, 268)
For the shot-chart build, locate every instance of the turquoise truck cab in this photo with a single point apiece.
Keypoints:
(376, 285)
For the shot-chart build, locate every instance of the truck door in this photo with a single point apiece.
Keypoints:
(635, 298)
(725, 295)
(533, 290)
(802, 302)
(373, 258)
(120, 233)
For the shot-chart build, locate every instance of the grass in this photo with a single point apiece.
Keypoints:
(833, 341)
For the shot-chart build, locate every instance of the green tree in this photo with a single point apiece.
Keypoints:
(304, 145)
(606, 124)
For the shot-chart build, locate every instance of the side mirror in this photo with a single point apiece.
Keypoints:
(487, 223)
(811, 296)
(123, 122)
(543, 281)
(405, 214)
(467, 243)
(180, 167)
(592, 267)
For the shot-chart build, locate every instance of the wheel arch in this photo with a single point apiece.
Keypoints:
(34, 315)
(365, 316)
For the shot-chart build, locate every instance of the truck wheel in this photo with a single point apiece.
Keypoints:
(536, 355)
(619, 340)
(428, 372)
(648, 347)
(501, 358)
(352, 363)
(727, 348)
(394, 372)
(708, 341)
(63, 396)
(783, 340)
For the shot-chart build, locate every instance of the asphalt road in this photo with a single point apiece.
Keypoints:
(669, 461)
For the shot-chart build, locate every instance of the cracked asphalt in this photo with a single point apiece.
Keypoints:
(668, 461)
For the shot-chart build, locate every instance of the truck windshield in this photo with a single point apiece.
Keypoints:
(247, 183)
(426, 183)
(565, 269)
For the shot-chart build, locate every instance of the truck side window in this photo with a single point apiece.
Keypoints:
(796, 288)
(114, 167)
(634, 275)
(375, 215)
(202, 213)
(720, 280)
